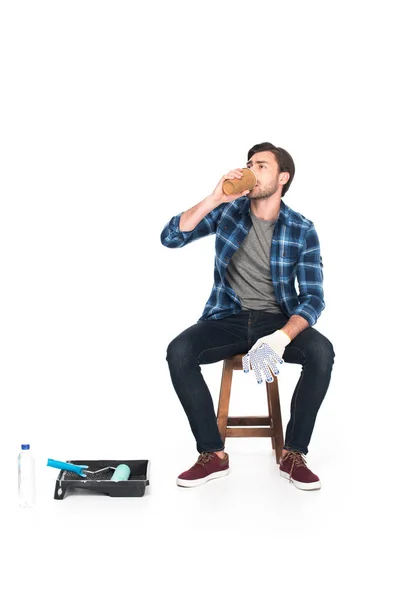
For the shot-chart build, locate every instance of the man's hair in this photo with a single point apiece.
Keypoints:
(283, 158)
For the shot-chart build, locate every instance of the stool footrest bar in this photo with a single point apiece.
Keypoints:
(249, 432)
(249, 420)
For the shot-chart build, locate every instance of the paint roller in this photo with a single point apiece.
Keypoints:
(121, 472)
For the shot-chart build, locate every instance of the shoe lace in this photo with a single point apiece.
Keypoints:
(298, 460)
(204, 457)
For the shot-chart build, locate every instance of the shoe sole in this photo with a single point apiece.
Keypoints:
(314, 485)
(195, 482)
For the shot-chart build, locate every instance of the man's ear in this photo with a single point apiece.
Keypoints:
(284, 178)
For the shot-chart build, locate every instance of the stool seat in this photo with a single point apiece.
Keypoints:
(249, 426)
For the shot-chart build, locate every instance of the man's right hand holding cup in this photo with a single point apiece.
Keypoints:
(231, 186)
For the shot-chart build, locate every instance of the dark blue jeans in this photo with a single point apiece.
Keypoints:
(211, 341)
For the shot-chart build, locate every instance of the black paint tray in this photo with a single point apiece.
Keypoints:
(101, 482)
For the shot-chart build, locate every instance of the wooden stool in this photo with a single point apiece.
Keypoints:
(270, 426)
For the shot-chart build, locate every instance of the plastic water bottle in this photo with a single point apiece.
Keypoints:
(26, 477)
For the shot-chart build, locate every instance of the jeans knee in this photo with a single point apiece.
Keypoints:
(327, 354)
(322, 354)
(178, 351)
(328, 351)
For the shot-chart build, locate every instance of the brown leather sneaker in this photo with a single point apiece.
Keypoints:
(293, 467)
(208, 466)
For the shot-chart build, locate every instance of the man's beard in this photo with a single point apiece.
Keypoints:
(266, 192)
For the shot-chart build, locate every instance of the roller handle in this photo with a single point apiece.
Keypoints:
(57, 464)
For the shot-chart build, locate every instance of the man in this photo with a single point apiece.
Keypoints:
(262, 246)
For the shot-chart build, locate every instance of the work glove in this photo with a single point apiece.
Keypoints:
(264, 356)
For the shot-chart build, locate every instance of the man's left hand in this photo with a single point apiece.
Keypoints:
(264, 356)
(277, 341)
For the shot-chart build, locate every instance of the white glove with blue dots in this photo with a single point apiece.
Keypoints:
(264, 356)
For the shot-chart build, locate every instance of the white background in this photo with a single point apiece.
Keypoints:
(115, 116)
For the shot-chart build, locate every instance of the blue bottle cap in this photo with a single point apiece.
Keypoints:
(25, 446)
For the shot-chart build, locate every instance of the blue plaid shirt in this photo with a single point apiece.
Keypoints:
(295, 253)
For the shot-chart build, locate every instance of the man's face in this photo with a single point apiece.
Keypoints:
(265, 166)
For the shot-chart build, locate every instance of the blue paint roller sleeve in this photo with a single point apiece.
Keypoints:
(121, 473)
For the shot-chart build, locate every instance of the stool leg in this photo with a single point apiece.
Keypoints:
(273, 394)
(270, 415)
(224, 397)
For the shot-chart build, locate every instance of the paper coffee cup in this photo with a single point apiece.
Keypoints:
(235, 186)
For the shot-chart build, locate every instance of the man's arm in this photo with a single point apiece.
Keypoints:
(200, 220)
(294, 326)
(192, 217)
(191, 225)
(310, 278)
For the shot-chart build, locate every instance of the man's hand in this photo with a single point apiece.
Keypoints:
(277, 341)
(218, 195)
(264, 356)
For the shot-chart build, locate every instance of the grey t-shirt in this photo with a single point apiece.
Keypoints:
(248, 271)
